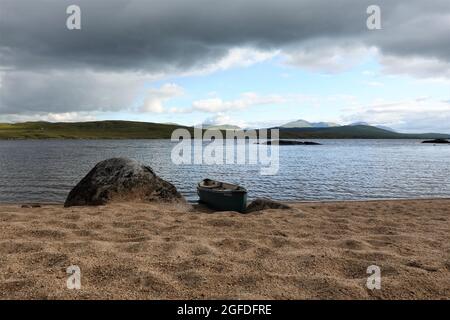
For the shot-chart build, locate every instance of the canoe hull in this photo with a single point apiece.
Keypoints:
(223, 201)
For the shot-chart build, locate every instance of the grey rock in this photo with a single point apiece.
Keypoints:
(436, 141)
(264, 204)
(121, 179)
(292, 143)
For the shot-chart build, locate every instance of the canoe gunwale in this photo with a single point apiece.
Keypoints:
(219, 188)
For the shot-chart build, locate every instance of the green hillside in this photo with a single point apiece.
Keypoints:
(88, 130)
(145, 130)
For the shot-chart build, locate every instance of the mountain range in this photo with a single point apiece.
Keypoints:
(306, 124)
(353, 132)
(296, 124)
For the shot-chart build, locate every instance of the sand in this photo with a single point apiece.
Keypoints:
(150, 251)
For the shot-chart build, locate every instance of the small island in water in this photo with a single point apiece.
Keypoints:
(437, 141)
(291, 143)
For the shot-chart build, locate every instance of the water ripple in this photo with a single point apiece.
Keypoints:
(339, 169)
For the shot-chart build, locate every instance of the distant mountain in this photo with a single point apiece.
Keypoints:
(324, 124)
(386, 128)
(352, 132)
(306, 124)
(297, 124)
(361, 123)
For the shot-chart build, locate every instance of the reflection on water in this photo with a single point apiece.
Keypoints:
(45, 171)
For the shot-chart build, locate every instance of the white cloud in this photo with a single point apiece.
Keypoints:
(69, 117)
(369, 73)
(375, 84)
(64, 92)
(415, 66)
(50, 91)
(154, 101)
(422, 114)
(328, 59)
(222, 119)
(50, 117)
(246, 100)
(237, 57)
(336, 58)
(242, 57)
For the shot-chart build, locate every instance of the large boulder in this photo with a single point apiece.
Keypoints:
(121, 179)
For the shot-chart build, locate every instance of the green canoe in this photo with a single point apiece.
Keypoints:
(222, 196)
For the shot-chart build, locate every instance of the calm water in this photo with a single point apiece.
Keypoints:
(45, 171)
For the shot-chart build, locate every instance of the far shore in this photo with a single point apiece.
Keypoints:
(315, 250)
(117, 129)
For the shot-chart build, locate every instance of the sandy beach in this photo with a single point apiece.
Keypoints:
(154, 251)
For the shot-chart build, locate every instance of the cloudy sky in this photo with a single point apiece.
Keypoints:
(246, 62)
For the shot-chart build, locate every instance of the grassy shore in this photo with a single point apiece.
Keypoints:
(152, 251)
(88, 130)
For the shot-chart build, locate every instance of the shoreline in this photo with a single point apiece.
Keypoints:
(160, 251)
(170, 139)
(108, 129)
(288, 202)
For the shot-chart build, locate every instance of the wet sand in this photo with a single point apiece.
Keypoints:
(151, 251)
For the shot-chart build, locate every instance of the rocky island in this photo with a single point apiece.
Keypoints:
(292, 143)
(437, 141)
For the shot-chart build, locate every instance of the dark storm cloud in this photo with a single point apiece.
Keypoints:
(162, 35)
(56, 91)
(170, 36)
